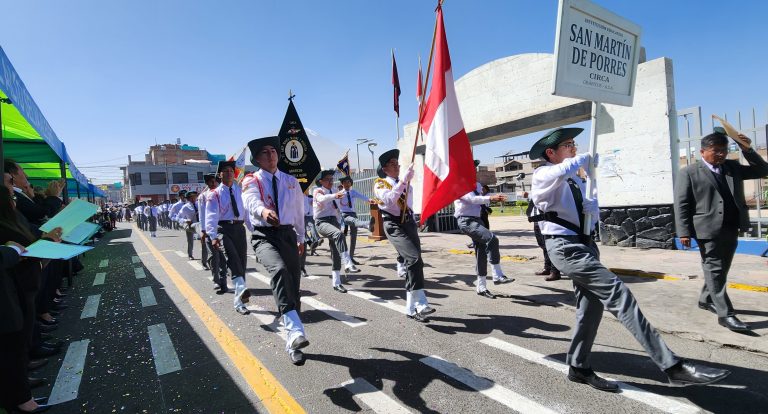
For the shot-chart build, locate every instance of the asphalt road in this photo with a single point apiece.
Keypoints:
(163, 351)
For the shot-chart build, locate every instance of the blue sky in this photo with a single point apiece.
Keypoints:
(112, 77)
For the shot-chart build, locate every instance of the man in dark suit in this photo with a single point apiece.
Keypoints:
(35, 211)
(710, 207)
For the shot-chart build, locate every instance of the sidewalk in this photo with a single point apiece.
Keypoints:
(668, 302)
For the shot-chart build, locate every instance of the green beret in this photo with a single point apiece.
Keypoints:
(552, 139)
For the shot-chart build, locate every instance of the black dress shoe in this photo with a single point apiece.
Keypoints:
(46, 328)
(542, 272)
(242, 310)
(297, 358)
(53, 343)
(206, 267)
(708, 306)
(340, 288)
(587, 376)
(40, 408)
(554, 276)
(419, 317)
(59, 306)
(43, 352)
(689, 373)
(355, 262)
(502, 280)
(487, 294)
(60, 295)
(428, 310)
(36, 382)
(53, 313)
(36, 363)
(733, 323)
(52, 322)
(40, 400)
(299, 342)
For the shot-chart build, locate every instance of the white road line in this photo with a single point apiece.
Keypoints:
(350, 321)
(104, 263)
(91, 307)
(71, 372)
(328, 309)
(374, 398)
(377, 300)
(139, 272)
(196, 265)
(486, 387)
(268, 320)
(135, 259)
(664, 404)
(147, 296)
(99, 279)
(180, 253)
(166, 360)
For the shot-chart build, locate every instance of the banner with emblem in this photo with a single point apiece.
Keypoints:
(296, 154)
(239, 159)
(343, 164)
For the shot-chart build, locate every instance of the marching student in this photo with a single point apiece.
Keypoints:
(348, 214)
(188, 218)
(401, 230)
(326, 213)
(218, 262)
(275, 205)
(225, 217)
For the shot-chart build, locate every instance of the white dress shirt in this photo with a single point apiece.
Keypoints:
(201, 204)
(139, 210)
(150, 211)
(219, 207)
(471, 204)
(174, 210)
(259, 195)
(187, 213)
(347, 203)
(324, 203)
(389, 196)
(550, 192)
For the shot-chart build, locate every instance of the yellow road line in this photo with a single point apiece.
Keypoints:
(640, 273)
(272, 394)
(518, 259)
(751, 288)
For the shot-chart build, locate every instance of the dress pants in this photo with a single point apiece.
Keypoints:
(152, 223)
(542, 244)
(276, 250)
(329, 227)
(596, 289)
(486, 243)
(350, 219)
(218, 264)
(716, 258)
(235, 247)
(190, 233)
(14, 387)
(405, 238)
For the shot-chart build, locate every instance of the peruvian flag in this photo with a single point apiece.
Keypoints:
(418, 84)
(449, 170)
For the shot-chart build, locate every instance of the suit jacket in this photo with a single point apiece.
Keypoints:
(36, 211)
(11, 317)
(699, 205)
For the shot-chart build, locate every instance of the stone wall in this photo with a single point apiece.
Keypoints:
(638, 226)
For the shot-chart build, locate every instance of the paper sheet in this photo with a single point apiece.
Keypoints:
(71, 216)
(45, 249)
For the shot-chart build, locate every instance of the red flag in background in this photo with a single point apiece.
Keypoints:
(449, 170)
(396, 85)
(418, 84)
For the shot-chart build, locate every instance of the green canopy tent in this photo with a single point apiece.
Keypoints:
(29, 140)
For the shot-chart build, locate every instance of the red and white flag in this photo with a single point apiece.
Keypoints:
(418, 84)
(449, 170)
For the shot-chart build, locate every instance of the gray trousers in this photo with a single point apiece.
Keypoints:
(276, 250)
(350, 219)
(218, 263)
(235, 247)
(329, 227)
(716, 258)
(405, 238)
(486, 243)
(596, 289)
(190, 241)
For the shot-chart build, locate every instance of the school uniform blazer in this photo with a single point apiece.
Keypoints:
(699, 207)
(11, 318)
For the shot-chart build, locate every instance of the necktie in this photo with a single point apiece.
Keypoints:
(234, 203)
(349, 199)
(274, 190)
(197, 213)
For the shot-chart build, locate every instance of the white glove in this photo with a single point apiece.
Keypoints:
(407, 176)
(590, 204)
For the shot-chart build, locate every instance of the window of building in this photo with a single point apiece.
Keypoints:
(135, 179)
(200, 177)
(180, 178)
(156, 178)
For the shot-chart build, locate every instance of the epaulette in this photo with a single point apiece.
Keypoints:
(382, 183)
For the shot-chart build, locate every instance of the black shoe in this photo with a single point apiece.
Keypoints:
(47, 328)
(37, 363)
(689, 373)
(36, 382)
(487, 294)
(708, 306)
(40, 400)
(297, 358)
(428, 310)
(53, 343)
(355, 262)
(205, 267)
(191, 258)
(52, 322)
(351, 268)
(60, 295)
(242, 310)
(59, 306)
(543, 272)
(733, 323)
(43, 352)
(587, 376)
(419, 317)
(54, 313)
(298, 343)
(502, 280)
(554, 276)
(340, 288)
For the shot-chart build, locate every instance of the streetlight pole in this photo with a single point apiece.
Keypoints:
(370, 148)
(2, 101)
(357, 148)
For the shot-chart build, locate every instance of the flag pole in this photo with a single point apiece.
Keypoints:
(421, 105)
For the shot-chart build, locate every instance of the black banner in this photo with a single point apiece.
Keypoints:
(296, 154)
